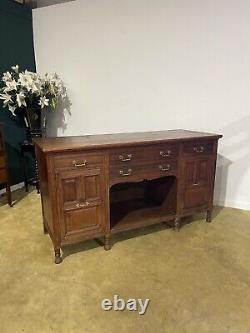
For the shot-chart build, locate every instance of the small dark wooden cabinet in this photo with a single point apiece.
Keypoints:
(98, 185)
(4, 171)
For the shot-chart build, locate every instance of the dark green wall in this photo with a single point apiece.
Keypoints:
(16, 47)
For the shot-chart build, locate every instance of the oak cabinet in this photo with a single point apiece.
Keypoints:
(198, 174)
(81, 202)
(96, 186)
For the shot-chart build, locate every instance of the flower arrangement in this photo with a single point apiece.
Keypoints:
(21, 90)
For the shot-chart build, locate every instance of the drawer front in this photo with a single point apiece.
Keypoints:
(3, 175)
(74, 161)
(126, 156)
(142, 154)
(198, 148)
(139, 172)
(2, 161)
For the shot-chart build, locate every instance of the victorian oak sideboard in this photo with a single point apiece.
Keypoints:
(98, 185)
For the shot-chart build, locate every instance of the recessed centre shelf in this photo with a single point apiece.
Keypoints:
(133, 205)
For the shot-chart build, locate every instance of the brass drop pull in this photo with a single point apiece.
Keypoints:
(79, 164)
(166, 168)
(125, 159)
(82, 204)
(199, 149)
(128, 173)
(163, 154)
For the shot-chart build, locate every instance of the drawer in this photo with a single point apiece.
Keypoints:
(2, 161)
(77, 160)
(142, 154)
(162, 152)
(139, 172)
(198, 147)
(125, 156)
(3, 175)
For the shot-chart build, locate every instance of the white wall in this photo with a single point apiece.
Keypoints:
(138, 65)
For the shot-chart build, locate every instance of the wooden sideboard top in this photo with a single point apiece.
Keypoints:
(58, 144)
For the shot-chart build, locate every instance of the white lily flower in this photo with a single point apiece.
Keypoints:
(23, 79)
(34, 88)
(20, 98)
(28, 72)
(43, 101)
(30, 86)
(12, 109)
(15, 68)
(6, 99)
(7, 77)
(36, 77)
(10, 85)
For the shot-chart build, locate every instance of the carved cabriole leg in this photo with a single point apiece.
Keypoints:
(107, 245)
(209, 216)
(177, 223)
(58, 258)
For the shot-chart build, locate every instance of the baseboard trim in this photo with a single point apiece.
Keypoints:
(233, 204)
(13, 187)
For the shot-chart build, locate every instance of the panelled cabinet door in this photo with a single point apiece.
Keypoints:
(81, 201)
(198, 175)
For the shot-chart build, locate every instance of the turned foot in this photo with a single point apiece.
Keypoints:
(58, 258)
(45, 230)
(9, 196)
(177, 222)
(107, 244)
(209, 216)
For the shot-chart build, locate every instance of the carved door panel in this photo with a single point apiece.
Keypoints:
(198, 174)
(81, 202)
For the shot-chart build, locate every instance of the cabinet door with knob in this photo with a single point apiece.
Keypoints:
(81, 202)
(198, 174)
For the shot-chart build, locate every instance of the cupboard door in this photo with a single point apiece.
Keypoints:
(203, 174)
(81, 202)
(198, 175)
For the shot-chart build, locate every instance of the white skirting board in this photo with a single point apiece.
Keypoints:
(13, 188)
(233, 204)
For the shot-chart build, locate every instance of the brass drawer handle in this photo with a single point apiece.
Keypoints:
(196, 184)
(166, 168)
(199, 149)
(128, 173)
(82, 204)
(168, 153)
(79, 164)
(125, 159)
